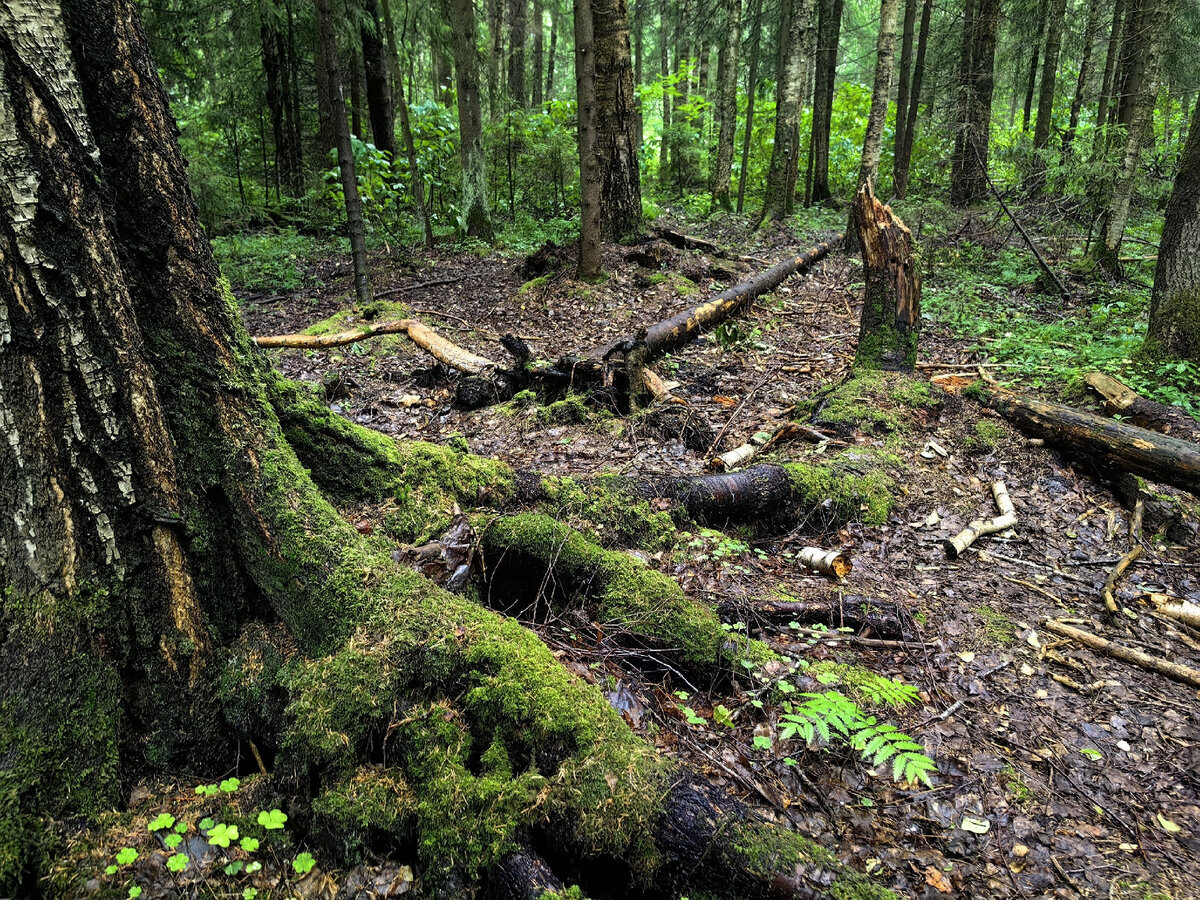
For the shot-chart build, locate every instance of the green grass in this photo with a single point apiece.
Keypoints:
(264, 260)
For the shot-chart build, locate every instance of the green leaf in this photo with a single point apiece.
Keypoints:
(164, 820)
(111, 870)
(250, 893)
(1091, 753)
(229, 785)
(234, 867)
(173, 840)
(762, 742)
(271, 820)
(206, 824)
(126, 855)
(181, 827)
(303, 864)
(177, 863)
(249, 844)
(253, 867)
(722, 716)
(221, 835)
(135, 892)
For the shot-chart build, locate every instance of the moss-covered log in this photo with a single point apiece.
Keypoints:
(173, 580)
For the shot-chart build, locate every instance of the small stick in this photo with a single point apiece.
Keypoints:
(262, 766)
(1176, 671)
(1110, 583)
(955, 546)
(1135, 524)
(828, 562)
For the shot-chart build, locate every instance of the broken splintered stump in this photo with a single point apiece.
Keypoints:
(955, 546)
(834, 563)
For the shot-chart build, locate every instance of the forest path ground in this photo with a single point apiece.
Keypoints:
(1091, 793)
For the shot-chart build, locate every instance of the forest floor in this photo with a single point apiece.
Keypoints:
(1060, 772)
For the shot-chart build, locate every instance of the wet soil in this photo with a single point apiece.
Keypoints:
(1061, 772)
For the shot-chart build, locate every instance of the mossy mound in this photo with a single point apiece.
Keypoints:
(875, 401)
(851, 487)
(610, 512)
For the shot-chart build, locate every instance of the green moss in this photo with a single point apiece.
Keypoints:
(534, 284)
(997, 626)
(986, 436)
(571, 410)
(373, 800)
(767, 850)
(349, 319)
(613, 514)
(852, 496)
(885, 401)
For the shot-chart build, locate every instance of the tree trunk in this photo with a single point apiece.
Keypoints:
(1031, 84)
(378, 73)
(495, 57)
(327, 131)
(968, 178)
(1085, 73)
(1134, 112)
(1110, 64)
(1175, 299)
(829, 28)
(539, 54)
(904, 156)
(664, 146)
(905, 85)
(751, 96)
(727, 77)
(357, 80)
(518, 11)
(346, 172)
(416, 179)
(1045, 111)
(163, 551)
(590, 176)
(891, 316)
(639, 31)
(885, 56)
(473, 204)
(620, 180)
(551, 55)
(777, 201)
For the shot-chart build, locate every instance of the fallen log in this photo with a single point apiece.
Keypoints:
(828, 562)
(1176, 671)
(419, 333)
(1176, 608)
(955, 546)
(1121, 400)
(690, 242)
(1158, 457)
(887, 620)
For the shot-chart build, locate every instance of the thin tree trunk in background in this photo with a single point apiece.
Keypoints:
(751, 95)
(727, 76)
(1110, 64)
(294, 125)
(885, 57)
(416, 179)
(1085, 73)
(1142, 33)
(590, 265)
(902, 93)
(703, 54)
(664, 146)
(474, 200)
(518, 10)
(1033, 63)
(620, 180)
(357, 90)
(551, 55)
(828, 34)
(968, 177)
(378, 74)
(1175, 299)
(495, 57)
(539, 54)
(776, 202)
(903, 160)
(639, 119)
(1045, 111)
(349, 182)
(326, 118)
(682, 153)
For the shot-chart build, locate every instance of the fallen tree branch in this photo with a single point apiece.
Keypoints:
(955, 546)
(1119, 399)
(1176, 671)
(690, 242)
(1158, 457)
(1176, 608)
(828, 562)
(1110, 583)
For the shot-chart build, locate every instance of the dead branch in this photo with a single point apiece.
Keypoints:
(955, 546)
(1176, 608)
(834, 563)
(1176, 671)
(1110, 583)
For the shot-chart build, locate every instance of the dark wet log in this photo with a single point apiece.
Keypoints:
(879, 618)
(1120, 400)
(757, 494)
(522, 876)
(891, 315)
(1158, 457)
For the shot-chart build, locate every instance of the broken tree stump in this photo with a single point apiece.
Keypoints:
(891, 314)
(1121, 400)
(1158, 457)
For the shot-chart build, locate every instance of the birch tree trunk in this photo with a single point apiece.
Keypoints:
(777, 202)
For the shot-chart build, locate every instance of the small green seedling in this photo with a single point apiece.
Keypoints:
(272, 820)
(303, 864)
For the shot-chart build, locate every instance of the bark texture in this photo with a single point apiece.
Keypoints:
(829, 27)
(473, 204)
(781, 175)
(377, 66)
(1175, 298)
(903, 161)
(727, 76)
(1085, 73)
(1045, 111)
(968, 181)
(891, 316)
(590, 175)
(616, 123)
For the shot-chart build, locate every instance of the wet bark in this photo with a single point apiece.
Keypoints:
(1045, 112)
(1085, 73)
(476, 217)
(727, 76)
(1175, 298)
(590, 176)
(616, 114)
(903, 159)
(829, 28)
(518, 11)
(1110, 64)
(1031, 84)
(779, 198)
(539, 54)
(891, 315)
(968, 176)
(905, 83)
(378, 72)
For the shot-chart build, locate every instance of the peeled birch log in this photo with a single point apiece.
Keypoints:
(1176, 671)
(1121, 400)
(1158, 457)
(1176, 608)
(418, 332)
(955, 546)
(827, 562)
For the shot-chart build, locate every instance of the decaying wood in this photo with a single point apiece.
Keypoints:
(1176, 671)
(1119, 399)
(883, 618)
(955, 546)
(1158, 457)
(891, 313)
(1176, 608)
(690, 242)
(418, 332)
(1110, 583)
(827, 562)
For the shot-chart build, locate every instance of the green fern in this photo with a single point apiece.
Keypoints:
(833, 716)
(886, 692)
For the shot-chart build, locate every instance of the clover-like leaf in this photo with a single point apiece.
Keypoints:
(173, 840)
(272, 820)
(250, 893)
(253, 867)
(234, 867)
(135, 892)
(164, 820)
(303, 864)
(249, 844)
(111, 870)
(177, 863)
(229, 785)
(221, 835)
(126, 855)
(206, 823)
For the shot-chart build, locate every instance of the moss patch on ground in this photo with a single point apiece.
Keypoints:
(875, 401)
(610, 513)
(846, 488)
